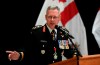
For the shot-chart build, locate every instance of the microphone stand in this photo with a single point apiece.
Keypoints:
(70, 37)
(76, 51)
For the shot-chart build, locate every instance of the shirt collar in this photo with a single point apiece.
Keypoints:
(50, 30)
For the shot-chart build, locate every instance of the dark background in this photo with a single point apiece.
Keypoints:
(18, 17)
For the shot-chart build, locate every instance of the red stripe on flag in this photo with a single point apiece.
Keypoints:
(69, 12)
(62, 0)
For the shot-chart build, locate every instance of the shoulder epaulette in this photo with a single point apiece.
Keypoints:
(36, 27)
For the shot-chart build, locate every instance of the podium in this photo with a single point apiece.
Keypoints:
(85, 60)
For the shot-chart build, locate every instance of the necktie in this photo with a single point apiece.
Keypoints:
(53, 34)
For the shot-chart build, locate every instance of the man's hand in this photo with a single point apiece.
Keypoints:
(13, 55)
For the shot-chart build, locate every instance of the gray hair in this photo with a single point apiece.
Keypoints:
(53, 7)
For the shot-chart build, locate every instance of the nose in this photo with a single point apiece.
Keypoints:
(52, 18)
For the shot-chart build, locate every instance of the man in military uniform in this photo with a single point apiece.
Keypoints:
(47, 43)
(46, 49)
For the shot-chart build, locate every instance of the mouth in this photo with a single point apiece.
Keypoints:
(52, 23)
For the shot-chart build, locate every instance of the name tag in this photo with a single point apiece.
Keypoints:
(44, 41)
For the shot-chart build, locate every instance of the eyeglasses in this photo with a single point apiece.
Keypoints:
(54, 17)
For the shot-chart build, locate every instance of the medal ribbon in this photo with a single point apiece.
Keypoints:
(54, 49)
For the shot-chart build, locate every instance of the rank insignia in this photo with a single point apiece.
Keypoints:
(43, 29)
(36, 27)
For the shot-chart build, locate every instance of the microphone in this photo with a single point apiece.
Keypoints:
(64, 30)
(70, 37)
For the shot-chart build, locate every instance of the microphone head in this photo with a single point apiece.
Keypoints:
(64, 30)
(56, 26)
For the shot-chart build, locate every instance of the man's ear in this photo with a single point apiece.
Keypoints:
(45, 16)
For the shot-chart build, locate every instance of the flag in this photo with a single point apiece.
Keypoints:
(70, 19)
(96, 28)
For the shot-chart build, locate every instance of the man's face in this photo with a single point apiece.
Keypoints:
(53, 18)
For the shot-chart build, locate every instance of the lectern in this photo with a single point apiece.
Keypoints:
(84, 60)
